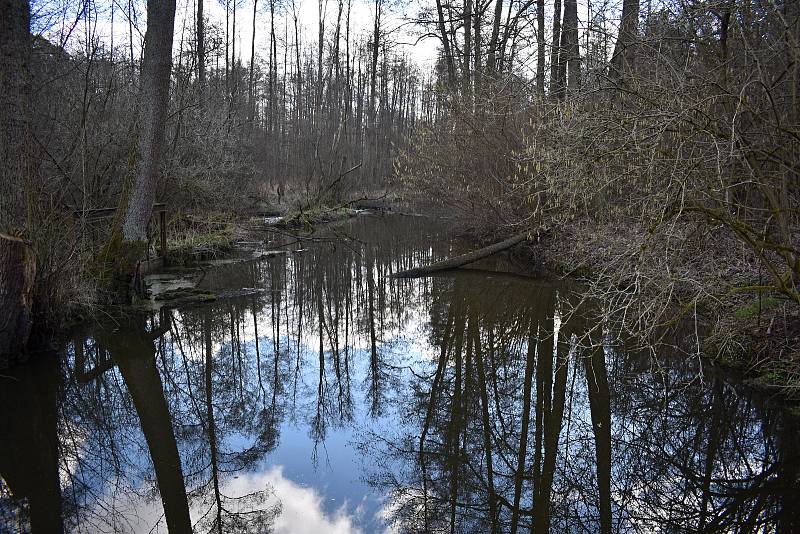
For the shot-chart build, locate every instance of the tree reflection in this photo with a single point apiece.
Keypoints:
(30, 492)
(479, 404)
(641, 449)
(175, 383)
(134, 354)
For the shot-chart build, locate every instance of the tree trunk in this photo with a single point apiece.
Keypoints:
(448, 54)
(540, 51)
(458, 261)
(320, 45)
(491, 63)
(273, 66)
(561, 85)
(477, 72)
(17, 261)
(376, 35)
(466, 81)
(250, 88)
(15, 161)
(153, 100)
(572, 50)
(130, 40)
(622, 59)
(227, 47)
(234, 88)
(555, 52)
(201, 55)
(17, 274)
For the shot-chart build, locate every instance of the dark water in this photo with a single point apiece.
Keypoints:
(327, 397)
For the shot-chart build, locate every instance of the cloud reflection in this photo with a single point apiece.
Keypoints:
(302, 509)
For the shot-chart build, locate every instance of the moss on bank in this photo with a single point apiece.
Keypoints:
(308, 218)
(756, 308)
(199, 245)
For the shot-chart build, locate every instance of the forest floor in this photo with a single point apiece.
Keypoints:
(217, 235)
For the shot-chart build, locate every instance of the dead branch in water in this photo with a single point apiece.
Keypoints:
(464, 259)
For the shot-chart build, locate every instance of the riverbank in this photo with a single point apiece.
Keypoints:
(194, 239)
(734, 321)
(199, 243)
(753, 334)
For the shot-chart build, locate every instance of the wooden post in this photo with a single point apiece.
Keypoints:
(162, 224)
(17, 274)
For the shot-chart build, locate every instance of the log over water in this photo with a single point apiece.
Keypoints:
(464, 259)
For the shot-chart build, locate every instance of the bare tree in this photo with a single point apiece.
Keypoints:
(151, 118)
(622, 61)
(201, 54)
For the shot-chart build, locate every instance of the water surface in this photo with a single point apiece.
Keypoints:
(317, 394)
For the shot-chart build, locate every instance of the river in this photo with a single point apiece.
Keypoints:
(317, 394)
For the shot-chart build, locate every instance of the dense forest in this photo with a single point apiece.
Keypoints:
(651, 150)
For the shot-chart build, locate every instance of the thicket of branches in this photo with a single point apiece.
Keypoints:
(664, 160)
(658, 144)
(310, 120)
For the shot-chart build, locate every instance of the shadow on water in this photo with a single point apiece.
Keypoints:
(319, 394)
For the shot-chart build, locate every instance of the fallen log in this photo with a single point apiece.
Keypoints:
(17, 273)
(464, 259)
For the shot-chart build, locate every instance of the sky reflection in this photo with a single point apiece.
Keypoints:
(338, 399)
